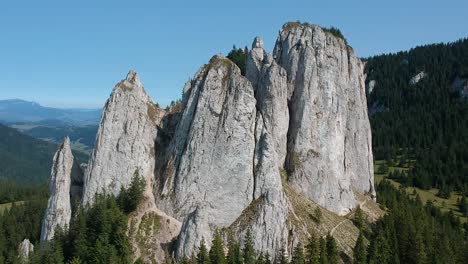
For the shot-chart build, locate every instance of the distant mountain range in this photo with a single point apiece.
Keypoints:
(20, 111)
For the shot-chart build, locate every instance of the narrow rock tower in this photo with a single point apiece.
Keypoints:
(65, 176)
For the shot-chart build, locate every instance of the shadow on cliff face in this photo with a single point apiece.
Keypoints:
(166, 131)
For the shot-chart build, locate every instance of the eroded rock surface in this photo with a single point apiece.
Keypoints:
(125, 140)
(25, 248)
(63, 187)
(329, 141)
(224, 157)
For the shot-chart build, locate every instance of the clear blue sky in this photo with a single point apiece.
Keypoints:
(66, 54)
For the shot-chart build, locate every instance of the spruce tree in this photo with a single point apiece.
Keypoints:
(249, 250)
(298, 255)
(313, 250)
(332, 250)
(360, 251)
(234, 255)
(217, 249)
(323, 251)
(203, 256)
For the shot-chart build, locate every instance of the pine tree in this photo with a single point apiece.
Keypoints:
(217, 249)
(360, 251)
(313, 250)
(332, 250)
(359, 219)
(249, 250)
(203, 256)
(234, 255)
(298, 255)
(323, 251)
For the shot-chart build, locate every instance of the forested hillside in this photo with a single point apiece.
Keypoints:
(26, 159)
(422, 123)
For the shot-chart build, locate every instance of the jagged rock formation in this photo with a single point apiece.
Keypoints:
(25, 248)
(329, 137)
(241, 152)
(64, 187)
(125, 140)
(214, 165)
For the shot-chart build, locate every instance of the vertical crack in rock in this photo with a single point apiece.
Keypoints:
(215, 168)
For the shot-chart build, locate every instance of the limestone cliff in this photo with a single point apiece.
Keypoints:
(125, 140)
(63, 187)
(240, 153)
(329, 139)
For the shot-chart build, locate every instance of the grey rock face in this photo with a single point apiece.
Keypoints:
(270, 82)
(329, 141)
(418, 77)
(64, 184)
(372, 84)
(221, 162)
(213, 150)
(125, 140)
(25, 248)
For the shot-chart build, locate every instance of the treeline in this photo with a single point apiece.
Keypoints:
(96, 234)
(317, 251)
(17, 223)
(22, 219)
(427, 121)
(11, 191)
(410, 232)
(27, 160)
(413, 232)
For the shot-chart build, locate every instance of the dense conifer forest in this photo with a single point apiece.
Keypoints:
(27, 160)
(422, 125)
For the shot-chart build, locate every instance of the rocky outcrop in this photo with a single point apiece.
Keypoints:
(270, 83)
(223, 158)
(125, 140)
(213, 153)
(329, 140)
(25, 248)
(64, 187)
(418, 77)
(125, 147)
(371, 85)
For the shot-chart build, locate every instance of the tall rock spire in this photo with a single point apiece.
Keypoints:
(59, 206)
(125, 140)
